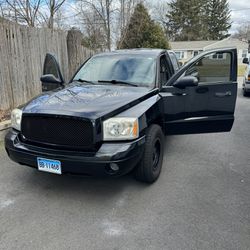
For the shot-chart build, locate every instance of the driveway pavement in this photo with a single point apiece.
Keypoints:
(201, 201)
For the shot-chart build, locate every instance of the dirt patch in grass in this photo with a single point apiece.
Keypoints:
(4, 115)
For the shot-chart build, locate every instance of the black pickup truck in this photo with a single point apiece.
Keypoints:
(111, 118)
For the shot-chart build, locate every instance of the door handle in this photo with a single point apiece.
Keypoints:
(223, 94)
(179, 94)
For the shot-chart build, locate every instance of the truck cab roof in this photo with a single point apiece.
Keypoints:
(138, 51)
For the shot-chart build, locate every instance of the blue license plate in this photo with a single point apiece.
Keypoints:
(47, 165)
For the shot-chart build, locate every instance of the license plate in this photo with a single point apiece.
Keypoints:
(47, 165)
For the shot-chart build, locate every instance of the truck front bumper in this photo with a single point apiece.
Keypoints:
(125, 154)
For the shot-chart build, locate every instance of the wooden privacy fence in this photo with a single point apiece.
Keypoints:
(22, 53)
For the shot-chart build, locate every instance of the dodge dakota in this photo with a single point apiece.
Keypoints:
(112, 117)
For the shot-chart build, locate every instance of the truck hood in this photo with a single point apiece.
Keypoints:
(89, 101)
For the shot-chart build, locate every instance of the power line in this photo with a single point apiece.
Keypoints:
(241, 9)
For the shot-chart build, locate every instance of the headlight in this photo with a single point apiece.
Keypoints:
(120, 128)
(16, 118)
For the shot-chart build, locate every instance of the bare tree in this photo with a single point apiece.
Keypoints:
(61, 20)
(51, 13)
(23, 11)
(126, 8)
(94, 32)
(158, 11)
(103, 9)
(54, 6)
(106, 20)
(2, 9)
(243, 32)
(33, 12)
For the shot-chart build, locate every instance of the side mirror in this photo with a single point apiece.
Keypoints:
(50, 82)
(49, 78)
(186, 81)
(245, 60)
(52, 77)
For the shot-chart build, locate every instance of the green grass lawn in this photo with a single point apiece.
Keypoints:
(241, 69)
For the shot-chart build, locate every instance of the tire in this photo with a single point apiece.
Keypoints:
(244, 93)
(149, 168)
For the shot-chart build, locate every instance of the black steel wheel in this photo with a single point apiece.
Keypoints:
(149, 168)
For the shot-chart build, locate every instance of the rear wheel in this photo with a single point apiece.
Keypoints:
(149, 168)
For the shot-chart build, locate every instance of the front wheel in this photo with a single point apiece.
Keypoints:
(149, 168)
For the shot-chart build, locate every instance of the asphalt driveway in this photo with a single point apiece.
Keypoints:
(201, 201)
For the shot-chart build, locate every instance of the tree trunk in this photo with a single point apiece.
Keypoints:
(108, 25)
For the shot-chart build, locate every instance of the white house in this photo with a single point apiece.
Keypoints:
(187, 49)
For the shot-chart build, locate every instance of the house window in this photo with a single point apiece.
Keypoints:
(179, 54)
(195, 52)
(244, 53)
(217, 56)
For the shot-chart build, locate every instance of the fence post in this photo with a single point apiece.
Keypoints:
(74, 40)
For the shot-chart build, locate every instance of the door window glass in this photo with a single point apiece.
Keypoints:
(174, 61)
(50, 66)
(212, 68)
(164, 70)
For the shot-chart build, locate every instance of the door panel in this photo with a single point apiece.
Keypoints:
(208, 107)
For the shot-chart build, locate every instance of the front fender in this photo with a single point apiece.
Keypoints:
(148, 112)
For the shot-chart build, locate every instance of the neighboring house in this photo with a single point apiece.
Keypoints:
(185, 50)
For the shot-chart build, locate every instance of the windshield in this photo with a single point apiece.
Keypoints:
(137, 69)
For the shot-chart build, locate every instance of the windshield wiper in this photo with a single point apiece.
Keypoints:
(82, 80)
(118, 82)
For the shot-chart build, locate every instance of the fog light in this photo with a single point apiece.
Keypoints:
(114, 167)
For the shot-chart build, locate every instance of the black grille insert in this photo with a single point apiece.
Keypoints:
(60, 131)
